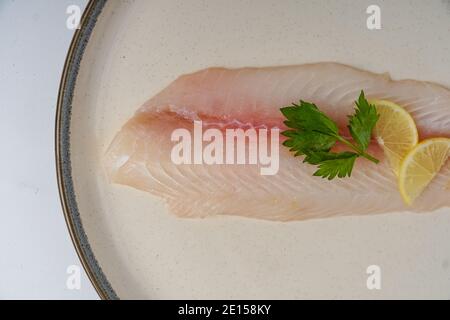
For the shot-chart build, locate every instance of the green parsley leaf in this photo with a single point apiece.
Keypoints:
(336, 164)
(313, 134)
(362, 122)
(316, 158)
(307, 117)
(302, 142)
(311, 130)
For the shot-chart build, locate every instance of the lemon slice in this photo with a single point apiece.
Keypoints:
(421, 165)
(395, 132)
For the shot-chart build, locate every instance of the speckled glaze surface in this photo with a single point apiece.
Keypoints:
(134, 248)
(63, 158)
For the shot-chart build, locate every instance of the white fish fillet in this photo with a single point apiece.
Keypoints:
(139, 156)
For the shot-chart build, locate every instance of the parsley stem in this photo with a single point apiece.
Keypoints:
(359, 151)
(369, 157)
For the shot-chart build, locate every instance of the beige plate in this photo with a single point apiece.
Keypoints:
(138, 47)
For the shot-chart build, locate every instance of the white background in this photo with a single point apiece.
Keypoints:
(35, 247)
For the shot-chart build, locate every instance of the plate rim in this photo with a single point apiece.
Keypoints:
(62, 151)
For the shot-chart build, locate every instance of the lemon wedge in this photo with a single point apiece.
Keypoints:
(420, 166)
(395, 132)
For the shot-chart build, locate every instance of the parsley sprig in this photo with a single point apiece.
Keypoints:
(312, 134)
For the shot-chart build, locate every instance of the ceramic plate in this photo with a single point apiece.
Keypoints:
(131, 247)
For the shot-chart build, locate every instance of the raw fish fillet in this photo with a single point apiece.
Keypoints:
(139, 156)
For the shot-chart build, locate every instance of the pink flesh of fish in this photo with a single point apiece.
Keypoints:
(139, 156)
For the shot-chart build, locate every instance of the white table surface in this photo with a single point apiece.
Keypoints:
(35, 247)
